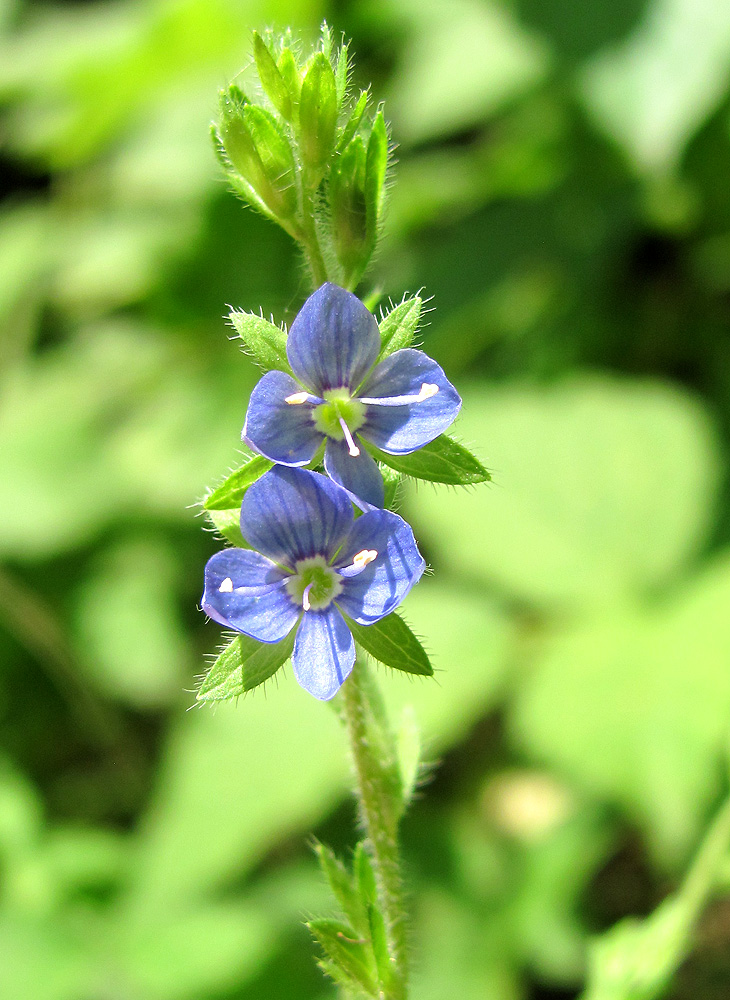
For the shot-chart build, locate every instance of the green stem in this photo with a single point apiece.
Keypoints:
(380, 807)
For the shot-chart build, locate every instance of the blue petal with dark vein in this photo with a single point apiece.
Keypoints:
(291, 514)
(324, 653)
(403, 428)
(358, 475)
(253, 600)
(334, 341)
(281, 431)
(381, 586)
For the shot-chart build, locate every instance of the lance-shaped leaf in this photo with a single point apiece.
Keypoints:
(398, 327)
(346, 952)
(265, 341)
(392, 643)
(271, 79)
(343, 888)
(242, 666)
(230, 493)
(442, 461)
(318, 112)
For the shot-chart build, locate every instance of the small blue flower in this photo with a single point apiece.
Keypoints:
(342, 396)
(312, 560)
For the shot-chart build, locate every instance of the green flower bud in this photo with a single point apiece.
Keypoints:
(375, 170)
(287, 66)
(318, 112)
(348, 207)
(259, 152)
(271, 79)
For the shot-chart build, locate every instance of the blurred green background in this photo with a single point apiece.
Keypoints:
(562, 193)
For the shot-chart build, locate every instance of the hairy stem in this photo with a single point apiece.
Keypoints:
(380, 806)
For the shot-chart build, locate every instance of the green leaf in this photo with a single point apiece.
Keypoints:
(230, 492)
(392, 643)
(391, 482)
(228, 524)
(265, 340)
(346, 951)
(365, 874)
(342, 72)
(379, 944)
(318, 112)
(376, 166)
(271, 79)
(243, 665)
(442, 461)
(343, 887)
(278, 187)
(287, 66)
(398, 327)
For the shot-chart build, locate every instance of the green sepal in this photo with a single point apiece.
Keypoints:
(287, 66)
(318, 112)
(346, 952)
(442, 461)
(343, 888)
(275, 153)
(347, 205)
(376, 167)
(265, 341)
(353, 122)
(228, 524)
(229, 493)
(271, 79)
(342, 73)
(243, 665)
(391, 642)
(391, 482)
(398, 327)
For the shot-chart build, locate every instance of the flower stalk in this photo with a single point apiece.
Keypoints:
(380, 807)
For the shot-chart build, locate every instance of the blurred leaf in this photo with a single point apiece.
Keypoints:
(408, 746)
(602, 487)
(461, 64)
(343, 888)
(655, 90)
(346, 953)
(613, 704)
(127, 626)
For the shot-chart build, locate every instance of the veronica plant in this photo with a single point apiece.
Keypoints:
(347, 407)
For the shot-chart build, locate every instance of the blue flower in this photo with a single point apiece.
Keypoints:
(311, 560)
(342, 396)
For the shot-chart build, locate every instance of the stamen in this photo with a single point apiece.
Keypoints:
(226, 587)
(351, 446)
(427, 390)
(361, 560)
(296, 398)
(305, 596)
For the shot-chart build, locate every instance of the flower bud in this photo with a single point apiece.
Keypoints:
(271, 79)
(259, 151)
(318, 112)
(348, 208)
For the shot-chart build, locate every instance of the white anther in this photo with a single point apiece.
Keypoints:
(428, 389)
(226, 587)
(351, 446)
(296, 398)
(363, 558)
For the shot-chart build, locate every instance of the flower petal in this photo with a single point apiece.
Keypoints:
(407, 426)
(359, 475)
(324, 653)
(246, 591)
(380, 587)
(290, 514)
(281, 431)
(334, 340)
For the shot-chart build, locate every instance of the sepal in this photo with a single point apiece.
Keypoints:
(391, 642)
(264, 340)
(344, 889)
(348, 208)
(443, 460)
(229, 494)
(242, 666)
(398, 327)
(318, 112)
(271, 78)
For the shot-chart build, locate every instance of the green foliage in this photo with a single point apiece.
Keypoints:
(231, 491)
(265, 341)
(399, 325)
(442, 461)
(242, 666)
(393, 644)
